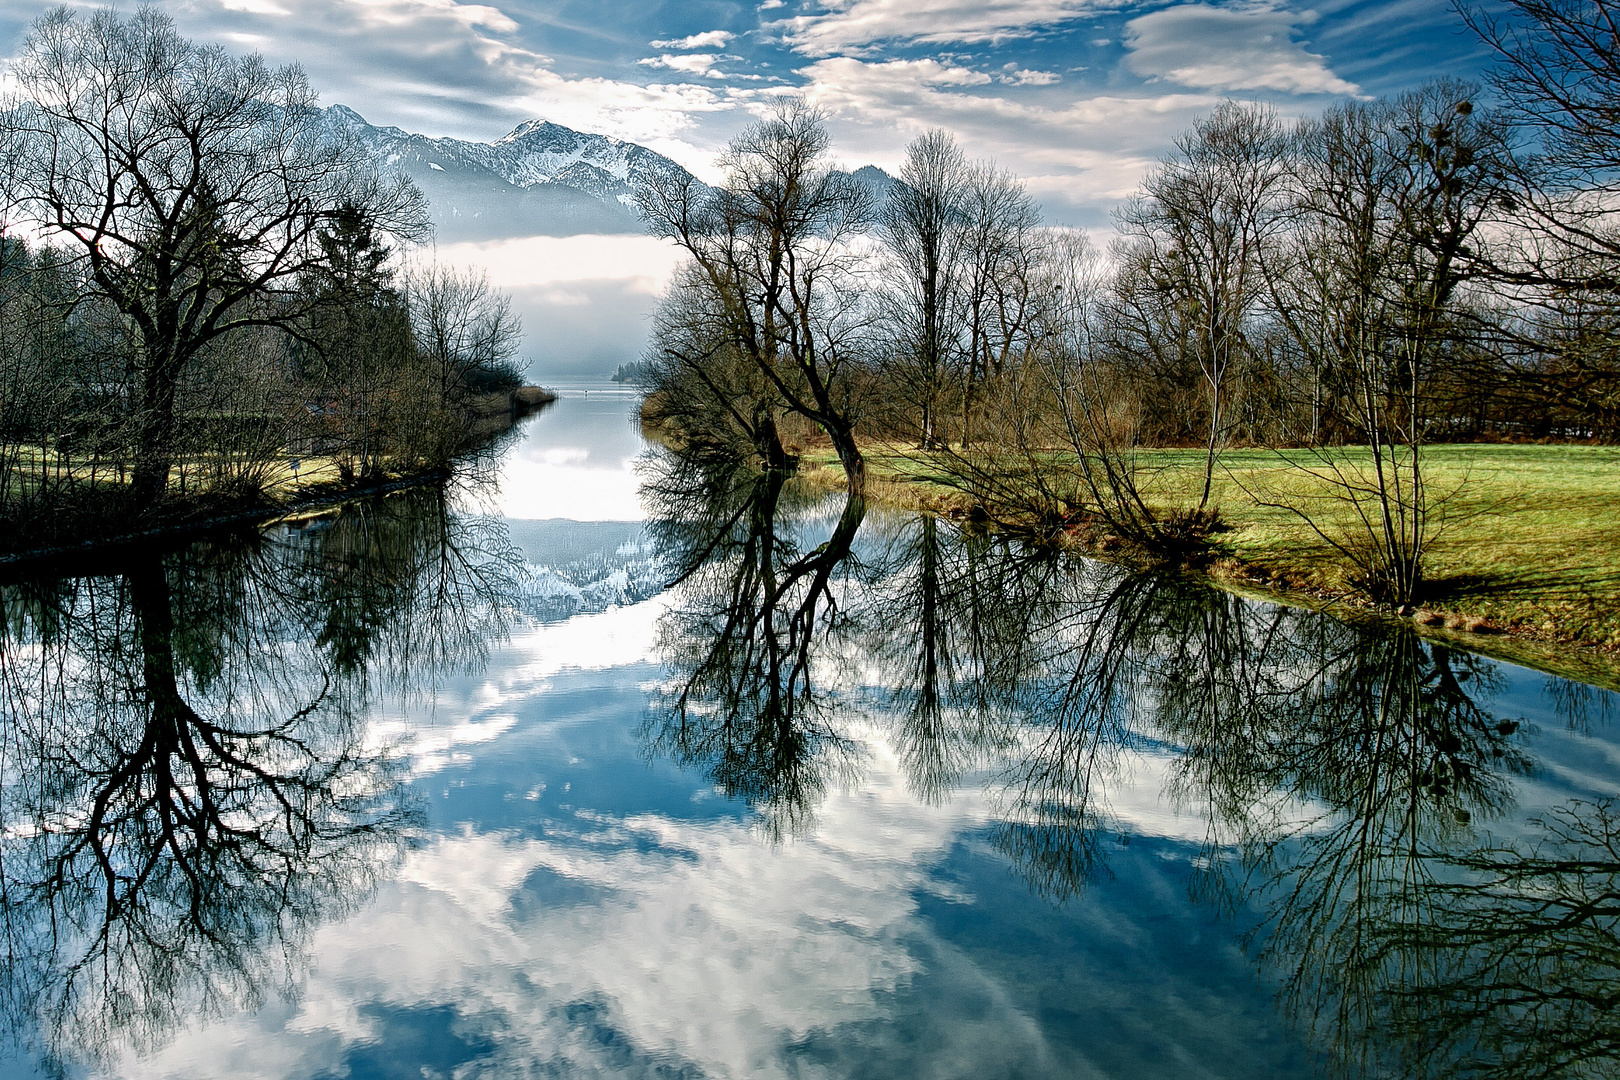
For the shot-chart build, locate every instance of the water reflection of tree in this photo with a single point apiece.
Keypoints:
(1073, 715)
(1521, 950)
(747, 701)
(950, 622)
(1347, 775)
(188, 786)
(1041, 668)
(1383, 753)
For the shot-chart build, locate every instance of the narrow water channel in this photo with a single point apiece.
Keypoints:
(613, 764)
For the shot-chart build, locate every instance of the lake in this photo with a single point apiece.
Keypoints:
(601, 763)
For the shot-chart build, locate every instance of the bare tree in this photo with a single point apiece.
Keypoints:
(1194, 246)
(1001, 248)
(1558, 72)
(192, 187)
(1095, 408)
(467, 330)
(962, 245)
(1559, 68)
(1393, 193)
(773, 270)
(922, 227)
(704, 394)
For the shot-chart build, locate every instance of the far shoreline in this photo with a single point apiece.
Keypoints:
(195, 516)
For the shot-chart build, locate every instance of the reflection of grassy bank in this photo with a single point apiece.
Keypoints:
(1531, 547)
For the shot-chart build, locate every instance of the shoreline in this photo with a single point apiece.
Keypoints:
(257, 515)
(195, 517)
(1528, 648)
(1550, 647)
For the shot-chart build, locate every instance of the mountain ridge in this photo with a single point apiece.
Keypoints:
(539, 179)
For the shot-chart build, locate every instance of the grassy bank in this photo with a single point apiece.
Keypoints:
(1526, 565)
(69, 506)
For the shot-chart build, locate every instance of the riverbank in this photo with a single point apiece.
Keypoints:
(97, 518)
(1526, 565)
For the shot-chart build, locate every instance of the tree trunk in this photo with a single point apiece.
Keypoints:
(849, 456)
(154, 451)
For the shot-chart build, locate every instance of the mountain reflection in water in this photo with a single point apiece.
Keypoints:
(196, 790)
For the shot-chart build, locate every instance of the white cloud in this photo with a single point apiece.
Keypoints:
(709, 39)
(1244, 47)
(1016, 76)
(849, 26)
(697, 64)
(847, 81)
(257, 7)
(1077, 158)
(619, 278)
(691, 63)
(444, 67)
(448, 67)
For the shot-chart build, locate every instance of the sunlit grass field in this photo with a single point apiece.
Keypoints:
(1528, 537)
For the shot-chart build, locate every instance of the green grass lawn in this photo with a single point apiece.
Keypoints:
(277, 476)
(1528, 537)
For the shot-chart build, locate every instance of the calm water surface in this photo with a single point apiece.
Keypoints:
(674, 771)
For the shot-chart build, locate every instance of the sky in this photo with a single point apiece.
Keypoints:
(1078, 97)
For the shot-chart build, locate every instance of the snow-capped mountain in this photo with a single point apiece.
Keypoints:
(542, 179)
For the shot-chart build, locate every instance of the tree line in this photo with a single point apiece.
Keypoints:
(201, 285)
(1348, 288)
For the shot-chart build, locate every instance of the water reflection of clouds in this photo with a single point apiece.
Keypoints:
(701, 947)
(565, 455)
(614, 939)
(576, 461)
(487, 706)
(541, 490)
(630, 926)
(1572, 760)
(581, 905)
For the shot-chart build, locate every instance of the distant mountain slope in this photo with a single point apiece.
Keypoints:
(541, 180)
(876, 181)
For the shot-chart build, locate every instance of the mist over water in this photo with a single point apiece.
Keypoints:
(586, 301)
